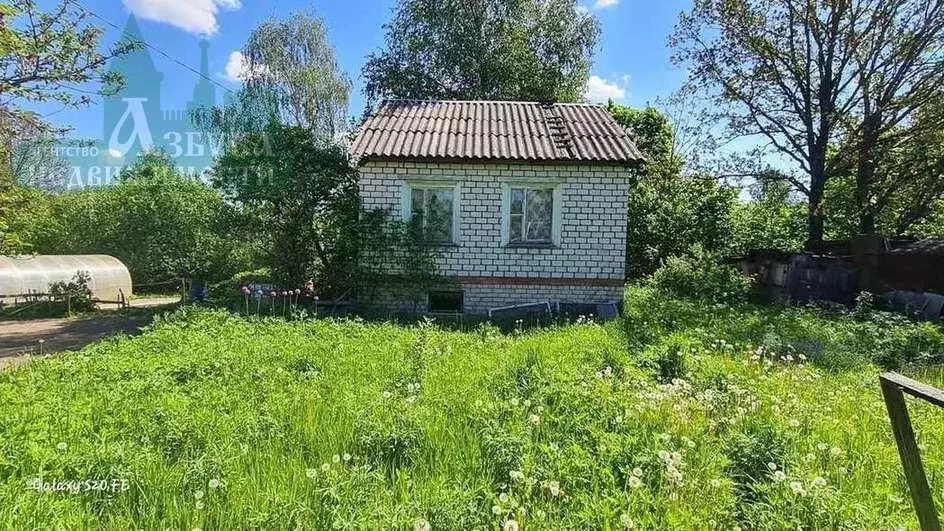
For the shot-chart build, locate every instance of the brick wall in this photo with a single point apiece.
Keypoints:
(591, 246)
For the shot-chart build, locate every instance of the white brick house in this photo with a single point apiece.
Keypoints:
(527, 200)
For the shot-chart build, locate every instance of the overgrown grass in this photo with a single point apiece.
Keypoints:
(671, 419)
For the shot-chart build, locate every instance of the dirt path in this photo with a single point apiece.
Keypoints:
(21, 339)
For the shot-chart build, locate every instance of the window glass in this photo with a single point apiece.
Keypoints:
(445, 301)
(531, 215)
(432, 209)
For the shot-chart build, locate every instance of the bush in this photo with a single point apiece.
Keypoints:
(700, 275)
(76, 293)
(162, 225)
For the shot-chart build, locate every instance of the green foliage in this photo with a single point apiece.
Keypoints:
(526, 50)
(668, 212)
(291, 76)
(76, 292)
(770, 220)
(700, 275)
(219, 421)
(159, 223)
(653, 135)
(305, 194)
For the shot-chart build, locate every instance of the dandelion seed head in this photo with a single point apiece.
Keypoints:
(496, 510)
(421, 524)
(214, 483)
(62, 447)
(510, 525)
(779, 475)
(311, 473)
(199, 494)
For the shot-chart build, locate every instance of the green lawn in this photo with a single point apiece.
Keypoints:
(671, 418)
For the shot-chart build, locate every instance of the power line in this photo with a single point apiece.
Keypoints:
(151, 46)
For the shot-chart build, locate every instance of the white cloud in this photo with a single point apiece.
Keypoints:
(236, 67)
(603, 4)
(194, 16)
(600, 90)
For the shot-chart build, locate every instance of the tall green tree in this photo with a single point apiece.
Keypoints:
(899, 72)
(668, 212)
(291, 76)
(781, 71)
(772, 219)
(531, 50)
(305, 192)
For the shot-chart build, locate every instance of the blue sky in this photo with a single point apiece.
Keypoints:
(632, 62)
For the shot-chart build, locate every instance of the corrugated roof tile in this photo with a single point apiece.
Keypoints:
(501, 130)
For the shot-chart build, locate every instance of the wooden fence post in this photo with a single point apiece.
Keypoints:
(893, 388)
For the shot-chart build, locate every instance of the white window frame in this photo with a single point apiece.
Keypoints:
(406, 203)
(556, 211)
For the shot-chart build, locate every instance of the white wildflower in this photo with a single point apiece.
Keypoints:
(819, 481)
(822, 447)
(311, 473)
(214, 483)
(779, 475)
(421, 524)
(534, 419)
(496, 509)
(835, 451)
(198, 495)
(626, 521)
(503, 497)
(325, 467)
(715, 483)
(516, 475)
(510, 525)
(637, 471)
(554, 487)
(514, 402)
(797, 488)
(387, 394)
(772, 466)
(62, 447)
(633, 482)
(346, 457)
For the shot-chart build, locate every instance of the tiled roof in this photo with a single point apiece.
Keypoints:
(494, 130)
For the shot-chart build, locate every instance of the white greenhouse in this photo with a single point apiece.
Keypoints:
(24, 276)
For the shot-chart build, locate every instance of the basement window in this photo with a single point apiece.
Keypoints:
(444, 301)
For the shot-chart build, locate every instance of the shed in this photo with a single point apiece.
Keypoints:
(29, 274)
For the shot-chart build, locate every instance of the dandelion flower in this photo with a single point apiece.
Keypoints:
(534, 419)
(797, 488)
(772, 466)
(510, 525)
(62, 447)
(554, 487)
(664, 455)
(336, 458)
(633, 482)
(516, 475)
(387, 394)
(822, 446)
(527, 403)
(496, 510)
(819, 481)
(716, 483)
(325, 467)
(626, 521)
(311, 473)
(514, 402)
(503, 497)
(200, 505)
(779, 475)
(637, 471)
(835, 451)
(421, 525)
(198, 494)
(809, 458)
(214, 483)
(244, 447)
(794, 423)
(346, 457)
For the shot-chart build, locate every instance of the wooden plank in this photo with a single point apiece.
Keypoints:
(916, 388)
(909, 453)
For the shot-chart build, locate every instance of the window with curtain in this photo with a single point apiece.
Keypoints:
(531, 215)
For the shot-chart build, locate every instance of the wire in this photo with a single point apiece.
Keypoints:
(148, 45)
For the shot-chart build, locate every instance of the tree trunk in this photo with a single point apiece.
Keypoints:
(865, 173)
(814, 220)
